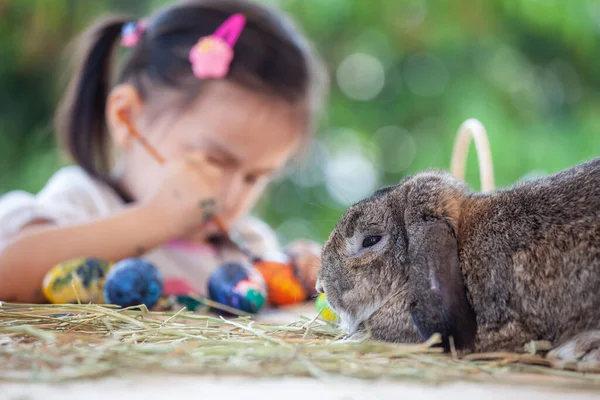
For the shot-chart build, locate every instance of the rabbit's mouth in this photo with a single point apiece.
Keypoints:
(350, 322)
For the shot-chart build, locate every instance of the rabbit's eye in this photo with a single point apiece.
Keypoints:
(371, 240)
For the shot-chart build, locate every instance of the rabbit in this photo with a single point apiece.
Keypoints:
(488, 271)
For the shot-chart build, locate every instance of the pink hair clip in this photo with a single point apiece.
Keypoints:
(211, 56)
(132, 32)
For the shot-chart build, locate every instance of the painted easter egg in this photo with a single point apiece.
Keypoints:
(182, 292)
(238, 286)
(326, 312)
(283, 285)
(132, 282)
(77, 280)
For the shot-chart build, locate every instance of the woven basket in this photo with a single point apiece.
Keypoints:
(473, 129)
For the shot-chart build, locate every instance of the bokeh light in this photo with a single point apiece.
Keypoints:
(361, 76)
(561, 82)
(294, 228)
(350, 177)
(398, 148)
(309, 171)
(350, 173)
(508, 70)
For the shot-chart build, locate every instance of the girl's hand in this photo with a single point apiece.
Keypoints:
(186, 196)
(306, 256)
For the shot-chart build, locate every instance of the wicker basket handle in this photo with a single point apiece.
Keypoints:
(473, 129)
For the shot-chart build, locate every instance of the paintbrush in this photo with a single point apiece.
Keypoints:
(232, 237)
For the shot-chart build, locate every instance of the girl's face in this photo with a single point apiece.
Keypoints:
(250, 136)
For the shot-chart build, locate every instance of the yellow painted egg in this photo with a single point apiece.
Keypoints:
(326, 312)
(80, 279)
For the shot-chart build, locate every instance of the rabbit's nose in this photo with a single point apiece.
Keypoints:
(319, 287)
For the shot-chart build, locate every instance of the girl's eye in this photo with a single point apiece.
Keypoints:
(371, 241)
(250, 179)
(216, 161)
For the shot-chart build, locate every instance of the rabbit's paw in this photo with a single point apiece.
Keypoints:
(582, 349)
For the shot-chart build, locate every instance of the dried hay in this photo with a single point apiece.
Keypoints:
(67, 342)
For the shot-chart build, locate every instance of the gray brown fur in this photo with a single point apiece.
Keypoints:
(528, 257)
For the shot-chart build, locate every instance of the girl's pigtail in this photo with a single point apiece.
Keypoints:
(81, 121)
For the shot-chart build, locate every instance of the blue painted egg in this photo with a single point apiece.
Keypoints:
(132, 282)
(239, 286)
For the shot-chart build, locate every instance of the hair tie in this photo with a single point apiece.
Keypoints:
(211, 56)
(132, 32)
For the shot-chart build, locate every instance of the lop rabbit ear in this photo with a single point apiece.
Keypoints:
(438, 299)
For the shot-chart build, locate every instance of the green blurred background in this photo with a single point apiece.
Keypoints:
(405, 74)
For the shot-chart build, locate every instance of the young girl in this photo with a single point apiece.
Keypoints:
(226, 112)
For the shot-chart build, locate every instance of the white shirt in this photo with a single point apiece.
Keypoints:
(72, 196)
